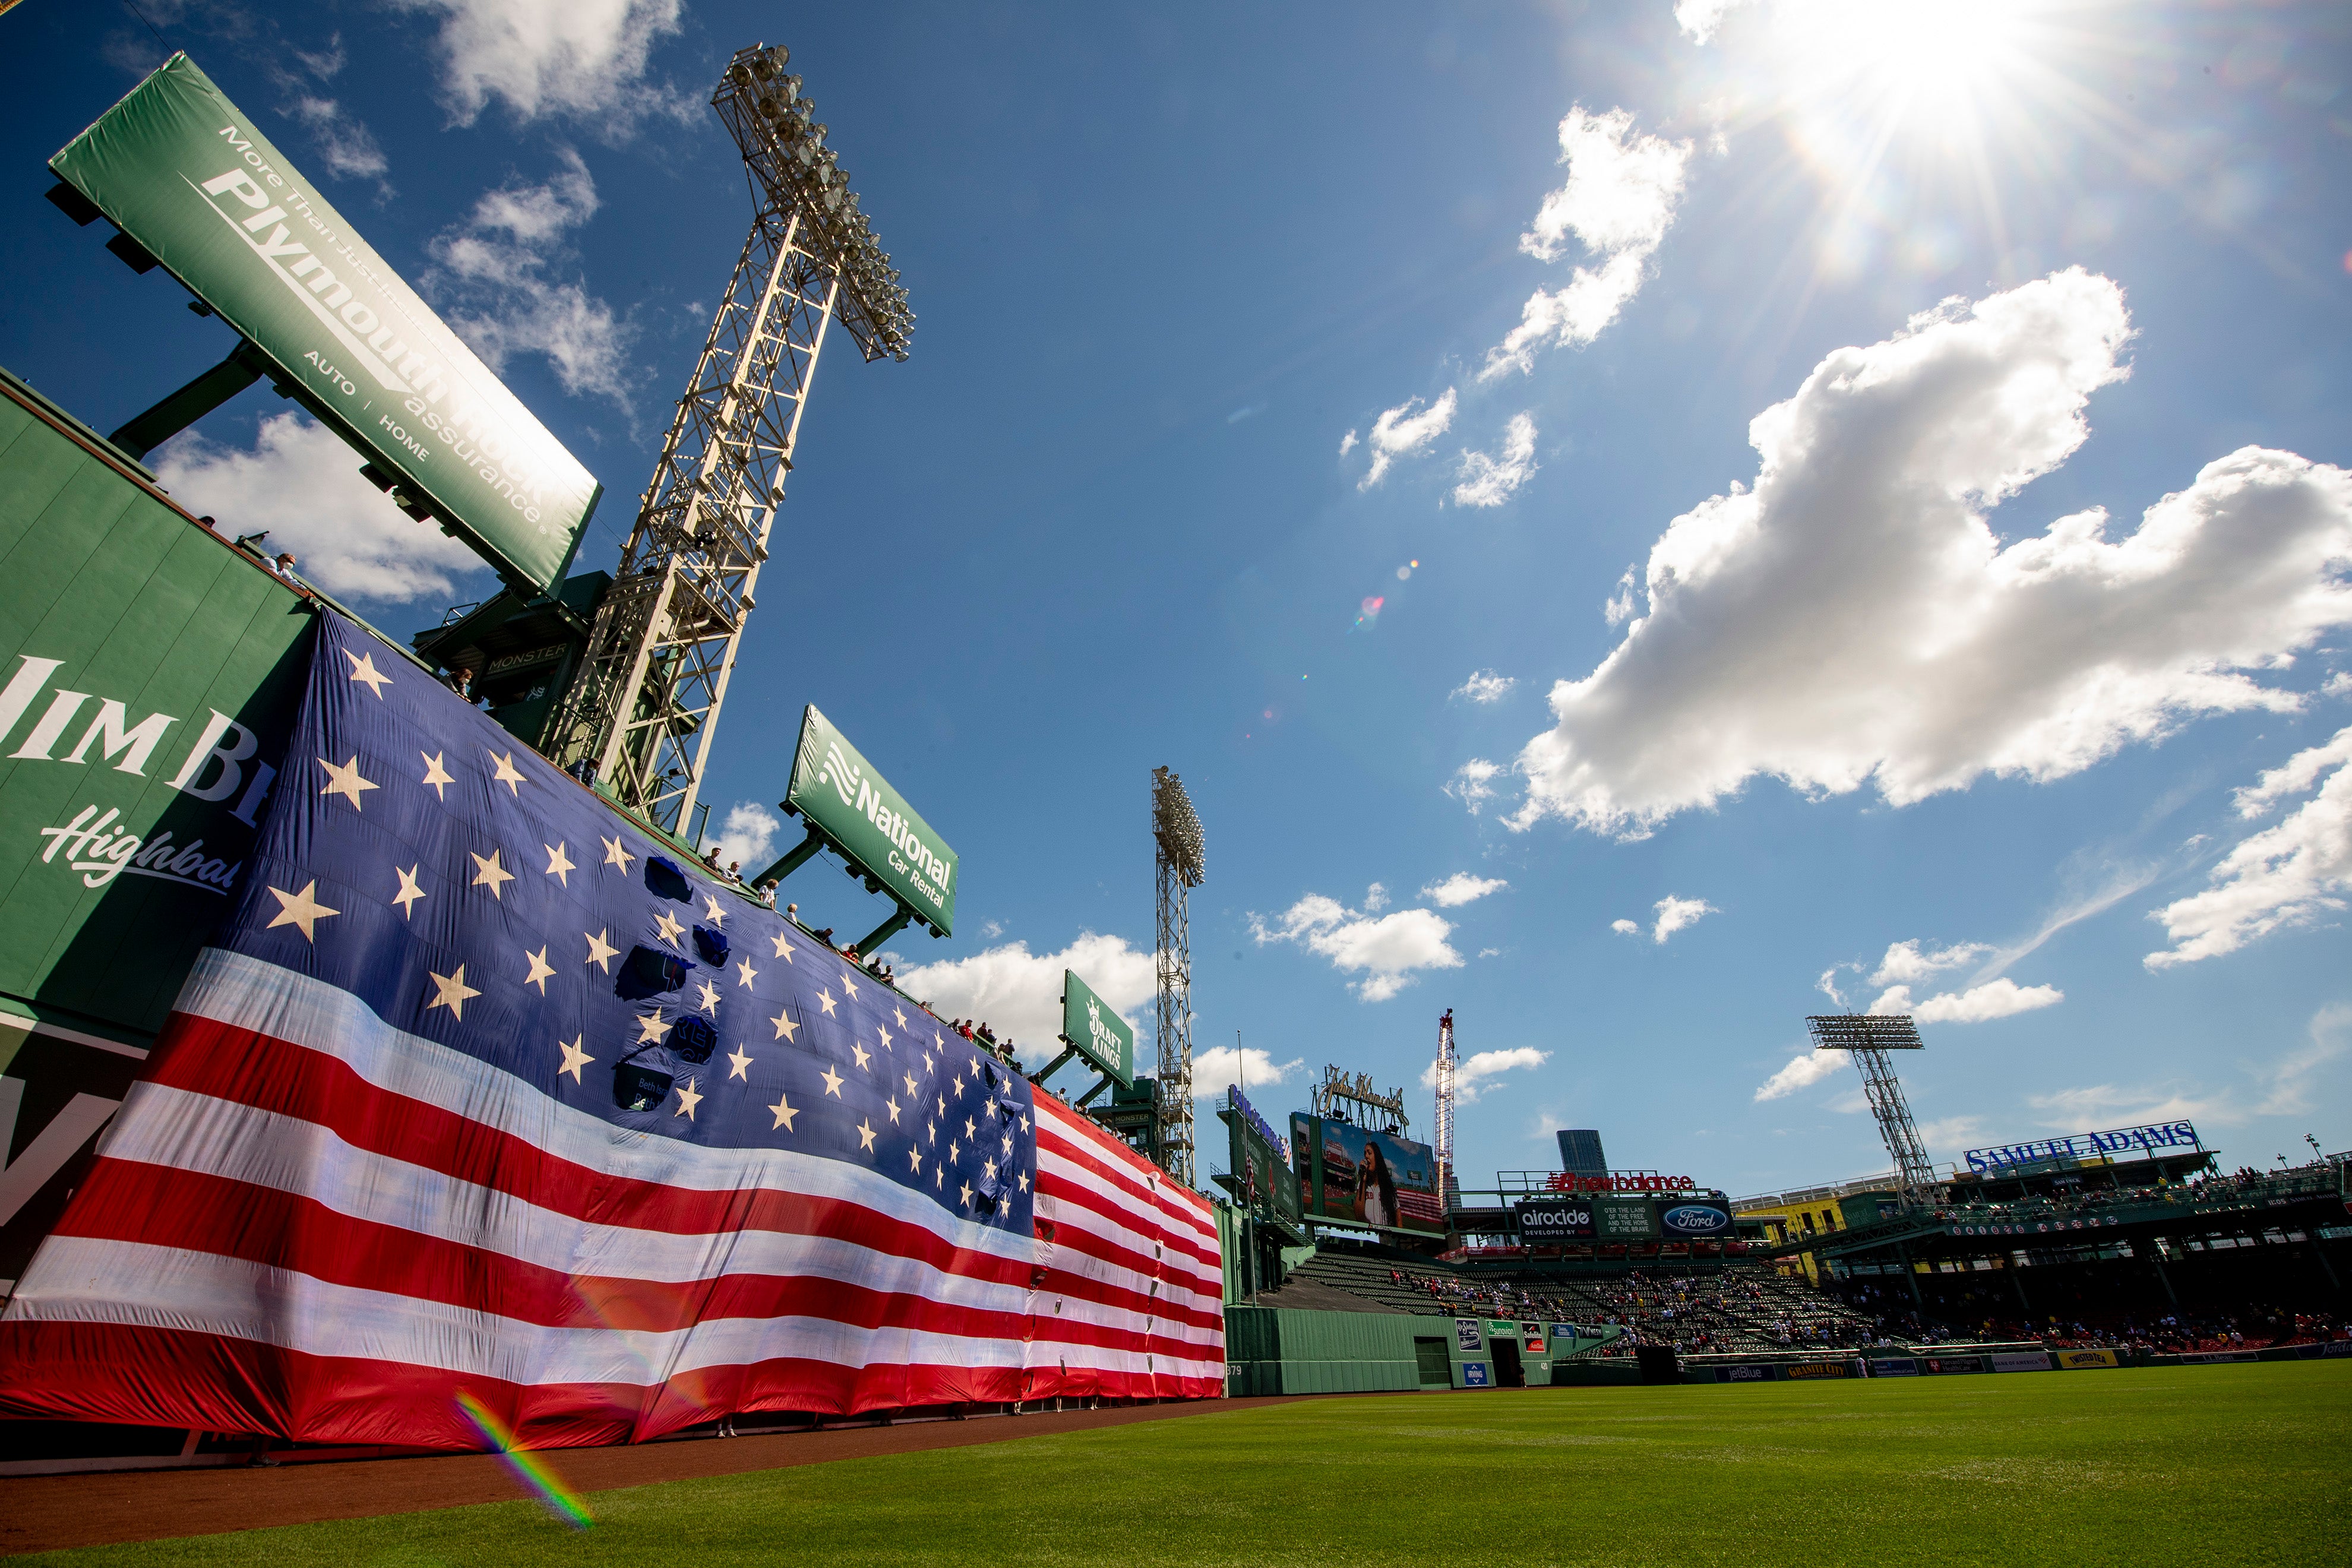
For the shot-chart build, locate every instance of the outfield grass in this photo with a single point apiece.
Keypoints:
(2242, 1464)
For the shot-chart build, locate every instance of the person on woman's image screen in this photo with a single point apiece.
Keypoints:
(1378, 1186)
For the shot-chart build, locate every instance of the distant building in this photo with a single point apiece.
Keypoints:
(1579, 1153)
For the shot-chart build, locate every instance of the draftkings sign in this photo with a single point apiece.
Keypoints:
(1093, 1027)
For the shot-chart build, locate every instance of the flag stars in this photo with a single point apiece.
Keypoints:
(902, 1016)
(892, 1105)
(409, 892)
(784, 1112)
(601, 951)
(914, 1162)
(861, 1053)
(667, 927)
(559, 862)
(716, 916)
(954, 1152)
(364, 671)
(848, 986)
(451, 991)
(967, 1127)
(745, 973)
(345, 780)
(832, 1082)
(865, 1136)
(910, 1085)
(302, 910)
(437, 775)
(652, 1031)
(1023, 1177)
(988, 1170)
(943, 1105)
(786, 1029)
(616, 856)
(575, 1056)
(505, 774)
(967, 1194)
(542, 972)
(883, 1035)
(488, 873)
(739, 1064)
(824, 999)
(710, 995)
(783, 948)
(687, 1099)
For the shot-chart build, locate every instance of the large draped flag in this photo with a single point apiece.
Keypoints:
(484, 1094)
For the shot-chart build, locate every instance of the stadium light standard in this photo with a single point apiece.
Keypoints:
(1180, 862)
(1868, 1036)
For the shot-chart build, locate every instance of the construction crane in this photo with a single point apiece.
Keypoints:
(644, 707)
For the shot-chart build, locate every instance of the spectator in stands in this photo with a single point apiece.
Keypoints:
(768, 894)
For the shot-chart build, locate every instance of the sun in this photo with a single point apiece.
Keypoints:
(1907, 59)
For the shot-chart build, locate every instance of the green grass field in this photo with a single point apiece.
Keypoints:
(2243, 1464)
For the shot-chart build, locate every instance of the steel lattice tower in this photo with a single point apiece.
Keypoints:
(1181, 864)
(646, 704)
(1448, 1182)
(1867, 1037)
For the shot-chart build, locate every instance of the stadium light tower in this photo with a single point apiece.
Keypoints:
(1869, 1036)
(1448, 1182)
(646, 704)
(1181, 865)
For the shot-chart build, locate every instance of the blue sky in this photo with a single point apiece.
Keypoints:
(1862, 693)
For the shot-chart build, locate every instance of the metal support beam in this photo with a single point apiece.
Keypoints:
(147, 431)
(799, 856)
(1050, 1069)
(873, 939)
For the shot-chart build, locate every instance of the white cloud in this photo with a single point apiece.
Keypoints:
(1618, 201)
(749, 836)
(2293, 777)
(1388, 948)
(1619, 609)
(1400, 430)
(301, 482)
(1909, 961)
(1474, 782)
(1347, 443)
(540, 58)
(1805, 1070)
(1019, 994)
(1855, 618)
(1219, 1067)
(496, 271)
(1626, 927)
(2338, 684)
(346, 146)
(1699, 18)
(1678, 914)
(1484, 686)
(1951, 1134)
(2286, 1086)
(1473, 1075)
(1376, 898)
(1489, 481)
(1460, 888)
(1995, 999)
(2289, 875)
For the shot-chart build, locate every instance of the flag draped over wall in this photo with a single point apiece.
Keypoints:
(483, 1091)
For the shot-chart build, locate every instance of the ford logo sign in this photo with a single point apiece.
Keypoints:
(1694, 1219)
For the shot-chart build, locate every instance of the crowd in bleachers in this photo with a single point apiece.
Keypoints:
(2254, 1326)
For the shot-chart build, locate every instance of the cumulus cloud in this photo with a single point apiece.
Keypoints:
(2293, 874)
(1678, 914)
(1474, 1075)
(1220, 1066)
(749, 836)
(1804, 1070)
(1401, 429)
(346, 146)
(1855, 618)
(1376, 898)
(1489, 481)
(1347, 443)
(1625, 927)
(1994, 999)
(1484, 686)
(1916, 960)
(1698, 20)
(1474, 782)
(500, 268)
(301, 483)
(1019, 994)
(585, 59)
(1388, 948)
(1619, 609)
(1460, 888)
(1618, 203)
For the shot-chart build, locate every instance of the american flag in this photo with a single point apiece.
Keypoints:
(485, 1092)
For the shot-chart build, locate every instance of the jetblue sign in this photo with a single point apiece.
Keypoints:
(2084, 1145)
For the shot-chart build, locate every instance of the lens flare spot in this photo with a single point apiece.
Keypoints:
(530, 1469)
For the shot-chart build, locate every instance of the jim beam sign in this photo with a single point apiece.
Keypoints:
(1095, 1028)
(847, 799)
(182, 169)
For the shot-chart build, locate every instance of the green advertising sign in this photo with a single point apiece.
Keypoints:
(846, 800)
(1092, 1027)
(1623, 1219)
(1261, 1170)
(180, 169)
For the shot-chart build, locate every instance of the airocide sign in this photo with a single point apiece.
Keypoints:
(1541, 1220)
(841, 795)
(180, 169)
(1094, 1028)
